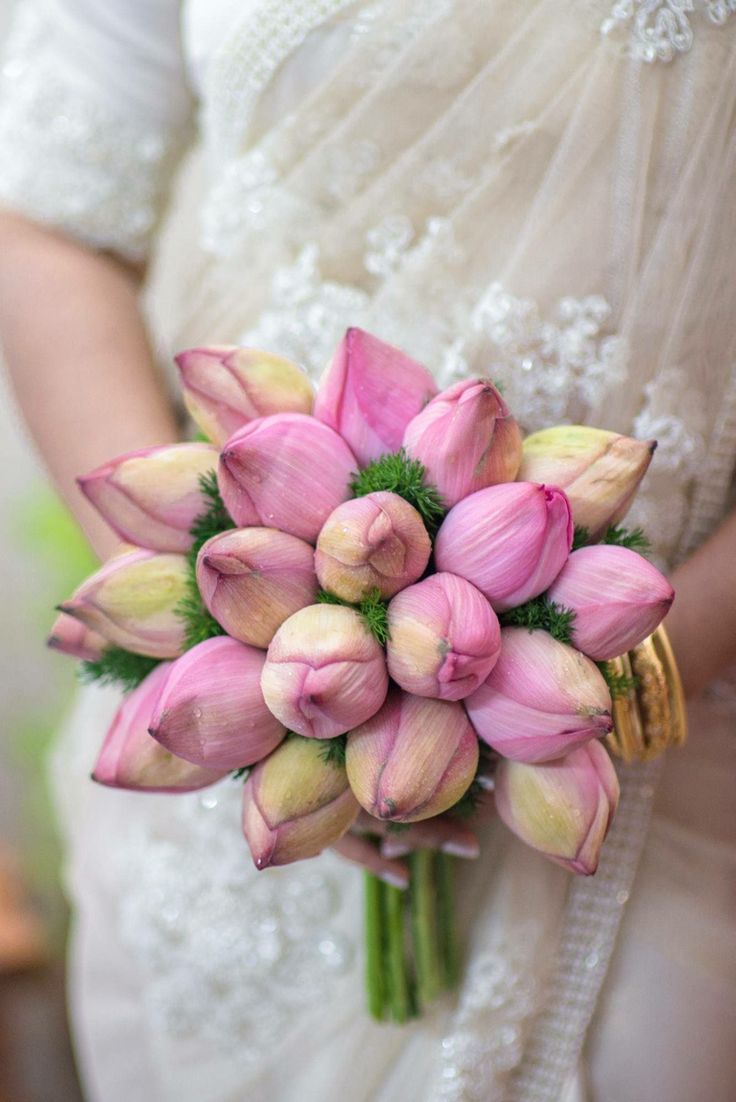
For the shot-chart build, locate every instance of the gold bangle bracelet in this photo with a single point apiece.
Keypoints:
(651, 715)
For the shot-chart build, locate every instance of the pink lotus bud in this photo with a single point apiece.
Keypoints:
(252, 579)
(295, 804)
(324, 672)
(70, 636)
(226, 387)
(152, 497)
(130, 758)
(563, 808)
(413, 759)
(287, 471)
(599, 471)
(444, 638)
(211, 709)
(467, 440)
(617, 596)
(374, 542)
(132, 602)
(370, 393)
(541, 699)
(510, 541)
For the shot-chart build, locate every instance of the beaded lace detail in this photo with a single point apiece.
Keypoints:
(229, 955)
(71, 160)
(659, 30)
(486, 1038)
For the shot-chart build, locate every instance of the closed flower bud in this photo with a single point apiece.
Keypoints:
(466, 438)
(287, 471)
(252, 579)
(599, 471)
(151, 498)
(211, 709)
(72, 637)
(617, 596)
(510, 541)
(444, 638)
(541, 700)
(132, 602)
(376, 542)
(414, 759)
(225, 387)
(130, 758)
(369, 394)
(564, 808)
(295, 804)
(324, 672)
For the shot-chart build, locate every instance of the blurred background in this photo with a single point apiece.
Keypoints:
(42, 559)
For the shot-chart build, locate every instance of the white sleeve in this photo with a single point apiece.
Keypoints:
(94, 111)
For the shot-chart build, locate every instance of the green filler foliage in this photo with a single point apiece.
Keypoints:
(399, 474)
(541, 614)
(120, 667)
(372, 609)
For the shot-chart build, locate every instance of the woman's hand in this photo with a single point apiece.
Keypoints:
(382, 853)
(702, 621)
(78, 355)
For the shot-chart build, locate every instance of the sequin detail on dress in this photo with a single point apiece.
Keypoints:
(659, 30)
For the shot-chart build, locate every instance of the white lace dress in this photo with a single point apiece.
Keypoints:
(542, 191)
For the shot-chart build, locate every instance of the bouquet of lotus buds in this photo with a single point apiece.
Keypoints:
(375, 598)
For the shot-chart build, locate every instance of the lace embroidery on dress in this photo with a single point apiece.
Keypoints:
(307, 314)
(229, 955)
(73, 162)
(551, 368)
(658, 30)
(486, 1039)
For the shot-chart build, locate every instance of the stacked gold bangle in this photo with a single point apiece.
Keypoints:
(651, 715)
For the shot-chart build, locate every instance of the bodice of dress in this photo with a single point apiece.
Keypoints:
(542, 192)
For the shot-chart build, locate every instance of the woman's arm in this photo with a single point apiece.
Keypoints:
(702, 623)
(79, 358)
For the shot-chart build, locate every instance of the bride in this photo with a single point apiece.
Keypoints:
(543, 192)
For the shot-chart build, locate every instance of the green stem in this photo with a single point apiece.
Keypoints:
(399, 999)
(424, 927)
(449, 957)
(374, 978)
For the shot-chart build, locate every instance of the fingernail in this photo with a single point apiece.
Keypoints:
(392, 848)
(468, 850)
(394, 879)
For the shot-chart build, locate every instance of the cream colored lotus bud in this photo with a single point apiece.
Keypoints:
(132, 602)
(295, 804)
(599, 471)
(375, 542)
(226, 387)
(324, 672)
(412, 760)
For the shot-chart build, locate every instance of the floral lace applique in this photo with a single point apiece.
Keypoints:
(308, 314)
(660, 29)
(550, 368)
(497, 996)
(229, 955)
